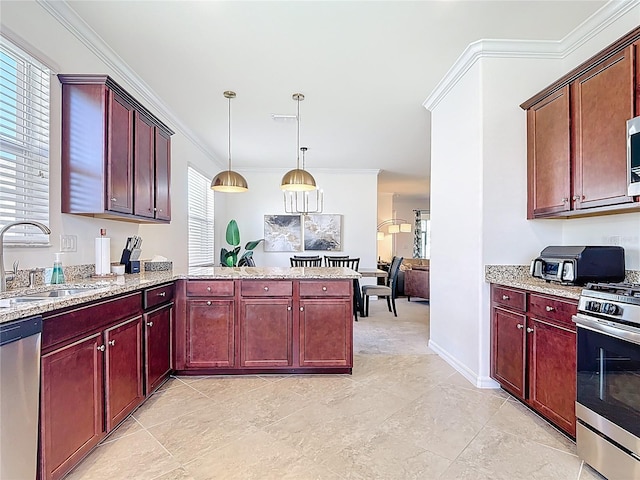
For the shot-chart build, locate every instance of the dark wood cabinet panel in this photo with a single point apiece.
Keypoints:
(266, 288)
(162, 175)
(115, 154)
(603, 102)
(157, 327)
(72, 395)
(508, 351)
(144, 167)
(266, 332)
(210, 333)
(552, 372)
(548, 157)
(123, 370)
(326, 333)
(533, 353)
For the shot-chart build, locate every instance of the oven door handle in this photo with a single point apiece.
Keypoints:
(623, 332)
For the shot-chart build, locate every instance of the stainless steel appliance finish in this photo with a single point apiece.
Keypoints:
(608, 379)
(577, 265)
(19, 398)
(633, 156)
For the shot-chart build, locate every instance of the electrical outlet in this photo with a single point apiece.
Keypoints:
(68, 243)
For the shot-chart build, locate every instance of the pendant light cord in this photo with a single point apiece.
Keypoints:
(229, 150)
(298, 145)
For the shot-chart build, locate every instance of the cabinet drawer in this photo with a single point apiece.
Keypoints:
(319, 288)
(207, 288)
(157, 295)
(266, 288)
(509, 297)
(553, 308)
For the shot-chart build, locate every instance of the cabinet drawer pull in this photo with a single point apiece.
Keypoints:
(111, 343)
(549, 308)
(102, 348)
(162, 294)
(529, 330)
(149, 324)
(208, 289)
(520, 326)
(505, 297)
(266, 289)
(324, 289)
(208, 303)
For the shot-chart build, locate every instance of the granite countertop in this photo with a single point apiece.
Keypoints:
(98, 289)
(518, 276)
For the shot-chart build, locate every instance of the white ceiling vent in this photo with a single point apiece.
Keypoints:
(281, 117)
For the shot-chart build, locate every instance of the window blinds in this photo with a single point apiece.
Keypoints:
(201, 234)
(24, 143)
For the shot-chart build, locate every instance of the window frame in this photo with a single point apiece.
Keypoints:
(204, 217)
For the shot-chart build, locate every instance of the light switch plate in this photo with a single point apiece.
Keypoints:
(68, 243)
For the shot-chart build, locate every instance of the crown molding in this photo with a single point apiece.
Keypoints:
(69, 19)
(539, 49)
(327, 171)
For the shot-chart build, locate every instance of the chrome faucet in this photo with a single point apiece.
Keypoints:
(3, 274)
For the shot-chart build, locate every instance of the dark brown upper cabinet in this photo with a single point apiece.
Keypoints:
(576, 136)
(116, 155)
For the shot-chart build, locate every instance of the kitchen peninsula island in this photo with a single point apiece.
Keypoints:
(251, 320)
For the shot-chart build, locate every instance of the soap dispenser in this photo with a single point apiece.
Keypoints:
(57, 276)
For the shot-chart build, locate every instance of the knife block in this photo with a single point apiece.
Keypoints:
(130, 266)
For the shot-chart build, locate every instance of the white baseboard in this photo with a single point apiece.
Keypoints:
(480, 382)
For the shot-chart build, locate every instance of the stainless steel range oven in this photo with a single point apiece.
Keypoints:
(608, 379)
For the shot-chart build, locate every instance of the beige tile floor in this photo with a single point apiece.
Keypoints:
(403, 414)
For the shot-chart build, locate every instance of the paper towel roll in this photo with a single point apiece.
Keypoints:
(103, 256)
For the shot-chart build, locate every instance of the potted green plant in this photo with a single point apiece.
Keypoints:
(229, 258)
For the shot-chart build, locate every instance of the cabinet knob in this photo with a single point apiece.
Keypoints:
(324, 289)
(111, 343)
(162, 294)
(208, 289)
(529, 330)
(520, 326)
(114, 199)
(549, 308)
(565, 199)
(505, 297)
(266, 289)
(149, 324)
(302, 309)
(289, 308)
(208, 303)
(102, 348)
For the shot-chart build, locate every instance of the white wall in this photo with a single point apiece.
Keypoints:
(479, 191)
(351, 194)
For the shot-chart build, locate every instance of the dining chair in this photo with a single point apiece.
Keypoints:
(327, 258)
(353, 264)
(389, 290)
(305, 261)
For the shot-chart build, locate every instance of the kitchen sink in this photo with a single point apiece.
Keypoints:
(63, 292)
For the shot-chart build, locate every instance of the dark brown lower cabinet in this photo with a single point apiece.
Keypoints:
(157, 342)
(325, 332)
(533, 351)
(210, 340)
(91, 378)
(266, 332)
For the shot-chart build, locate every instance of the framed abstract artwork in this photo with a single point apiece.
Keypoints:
(282, 233)
(323, 232)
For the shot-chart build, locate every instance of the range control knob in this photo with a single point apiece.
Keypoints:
(611, 309)
(592, 306)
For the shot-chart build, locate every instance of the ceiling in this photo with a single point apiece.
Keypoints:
(364, 67)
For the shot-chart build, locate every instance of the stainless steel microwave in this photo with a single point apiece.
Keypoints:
(633, 156)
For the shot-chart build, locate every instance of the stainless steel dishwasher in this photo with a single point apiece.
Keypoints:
(19, 397)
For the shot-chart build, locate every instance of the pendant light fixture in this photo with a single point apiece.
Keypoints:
(303, 202)
(228, 180)
(298, 180)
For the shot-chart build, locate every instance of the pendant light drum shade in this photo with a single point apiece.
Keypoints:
(298, 179)
(229, 181)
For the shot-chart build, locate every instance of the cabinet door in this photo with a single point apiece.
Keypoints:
(71, 405)
(603, 102)
(552, 373)
(157, 326)
(210, 333)
(143, 200)
(266, 332)
(162, 176)
(123, 370)
(119, 155)
(508, 351)
(548, 155)
(326, 332)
